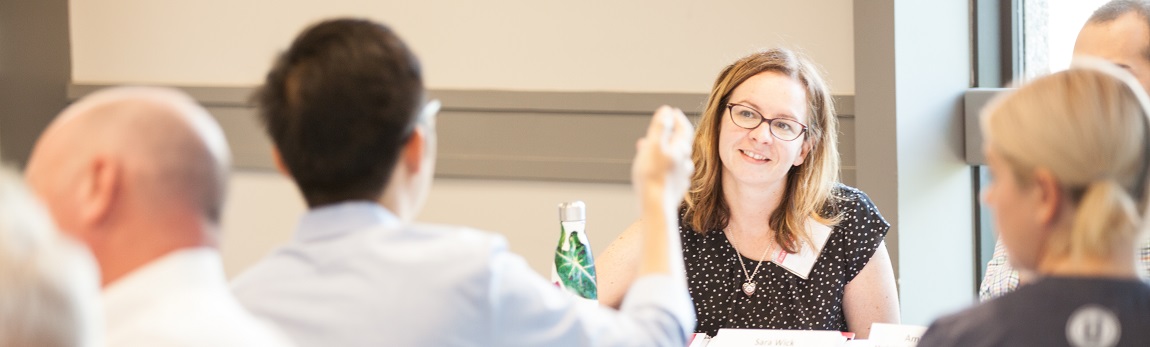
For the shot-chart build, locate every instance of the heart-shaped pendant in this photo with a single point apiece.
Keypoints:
(749, 288)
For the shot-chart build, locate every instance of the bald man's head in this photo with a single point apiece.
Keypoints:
(1119, 31)
(149, 151)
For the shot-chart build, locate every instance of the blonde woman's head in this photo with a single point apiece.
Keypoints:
(1068, 156)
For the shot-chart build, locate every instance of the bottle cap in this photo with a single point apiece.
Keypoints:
(572, 211)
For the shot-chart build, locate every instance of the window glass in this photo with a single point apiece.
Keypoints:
(1049, 30)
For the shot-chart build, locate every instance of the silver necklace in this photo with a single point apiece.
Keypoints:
(750, 285)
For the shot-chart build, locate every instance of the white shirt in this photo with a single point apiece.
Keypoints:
(356, 276)
(181, 299)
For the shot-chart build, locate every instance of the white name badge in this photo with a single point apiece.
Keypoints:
(699, 340)
(802, 262)
(895, 335)
(775, 338)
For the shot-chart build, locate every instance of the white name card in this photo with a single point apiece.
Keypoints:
(777, 338)
(895, 335)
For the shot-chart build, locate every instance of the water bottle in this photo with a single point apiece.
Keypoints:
(574, 266)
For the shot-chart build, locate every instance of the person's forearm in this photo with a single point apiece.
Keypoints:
(659, 254)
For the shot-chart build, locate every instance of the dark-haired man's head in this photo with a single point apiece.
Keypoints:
(342, 106)
(1119, 32)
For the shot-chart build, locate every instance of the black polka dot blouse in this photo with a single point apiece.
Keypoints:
(782, 300)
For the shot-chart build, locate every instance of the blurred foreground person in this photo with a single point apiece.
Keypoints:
(1118, 32)
(138, 175)
(345, 106)
(49, 287)
(1069, 156)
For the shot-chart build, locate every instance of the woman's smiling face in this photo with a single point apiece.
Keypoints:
(753, 156)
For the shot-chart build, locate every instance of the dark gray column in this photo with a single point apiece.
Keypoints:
(35, 68)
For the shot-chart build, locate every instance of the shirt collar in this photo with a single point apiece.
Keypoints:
(185, 269)
(333, 220)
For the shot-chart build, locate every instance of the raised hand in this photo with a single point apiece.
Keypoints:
(662, 167)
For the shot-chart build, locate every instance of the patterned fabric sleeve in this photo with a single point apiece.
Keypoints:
(1145, 257)
(1000, 277)
(865, 229)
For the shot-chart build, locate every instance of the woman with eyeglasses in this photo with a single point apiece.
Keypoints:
(770, 237)
(1069, 158)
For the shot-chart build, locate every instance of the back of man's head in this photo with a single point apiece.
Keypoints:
(48, 284)
(134, 172)
(172, 150)
(339, 104)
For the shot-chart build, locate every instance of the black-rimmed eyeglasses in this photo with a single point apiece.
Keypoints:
(782, 128)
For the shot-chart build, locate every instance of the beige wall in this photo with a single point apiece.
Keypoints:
(640, 45)
(260, 214)
(628, 46)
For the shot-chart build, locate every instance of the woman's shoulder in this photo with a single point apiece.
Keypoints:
(849, 199)
(856, 210)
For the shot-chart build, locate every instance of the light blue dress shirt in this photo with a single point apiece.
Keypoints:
(356, 276)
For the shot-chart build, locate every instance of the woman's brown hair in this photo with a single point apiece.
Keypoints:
(808, 191)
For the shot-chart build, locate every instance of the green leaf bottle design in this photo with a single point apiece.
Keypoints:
(574, 266)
